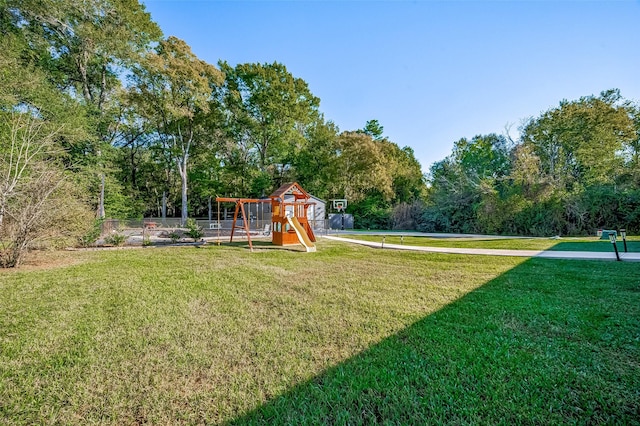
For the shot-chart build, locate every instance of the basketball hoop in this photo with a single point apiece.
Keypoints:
(340, 205)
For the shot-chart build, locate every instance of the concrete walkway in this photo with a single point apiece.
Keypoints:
(548, 254)
(427, 234)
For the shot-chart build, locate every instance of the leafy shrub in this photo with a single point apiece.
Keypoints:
(115, 239)
(175, 237)
(407, 216)
(374, 212)
(194, 230)
(92, 235)
(41, 218)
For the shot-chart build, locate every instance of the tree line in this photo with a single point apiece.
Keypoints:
(104, 116)
(101, 115)
(573, 170)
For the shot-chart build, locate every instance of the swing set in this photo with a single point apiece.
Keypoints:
(289, 222)
(240, 211)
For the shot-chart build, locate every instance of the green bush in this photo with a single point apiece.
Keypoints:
(374, 212)
(194, 230)
(92, 235)
(175, 236)
(115, 239)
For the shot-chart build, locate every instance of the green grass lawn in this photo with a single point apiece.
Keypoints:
(347, 335)
(562, 244)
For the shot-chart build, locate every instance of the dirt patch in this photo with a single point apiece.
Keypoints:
(49, 259)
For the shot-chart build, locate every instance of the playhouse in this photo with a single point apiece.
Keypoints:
(289, 219)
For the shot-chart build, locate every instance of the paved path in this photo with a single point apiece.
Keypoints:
(426, 234)
(549, 254)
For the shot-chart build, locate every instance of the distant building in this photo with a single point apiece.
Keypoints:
(316, 213)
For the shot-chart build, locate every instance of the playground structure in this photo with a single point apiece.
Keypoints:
(289, 222)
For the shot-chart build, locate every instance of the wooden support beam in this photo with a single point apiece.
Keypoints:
(245, 225)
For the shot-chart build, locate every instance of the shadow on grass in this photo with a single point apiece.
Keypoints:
(547, 342)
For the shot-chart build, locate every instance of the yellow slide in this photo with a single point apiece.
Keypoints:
(302, 234)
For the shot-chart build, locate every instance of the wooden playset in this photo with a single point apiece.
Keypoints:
(289, 222)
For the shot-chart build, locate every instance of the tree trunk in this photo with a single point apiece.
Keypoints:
(183, 177)
(81, 63)
(164, 207)
(185, 145)
(101, 213)
(134, 183)
(2, 209)
(103, 88)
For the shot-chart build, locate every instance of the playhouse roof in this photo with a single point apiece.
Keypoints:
(291, 188)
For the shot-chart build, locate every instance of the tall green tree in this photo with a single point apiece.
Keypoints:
(84, 47)
(632, 149)
(85, 44)
(580, 142)
(460, 183)
(361, 167)
(408, 181)
(572, 172)
(173, 89)
(270, 110)
(316, 166)
(374, 129)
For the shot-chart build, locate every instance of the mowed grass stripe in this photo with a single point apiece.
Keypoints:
(561, 244)
(215, 334)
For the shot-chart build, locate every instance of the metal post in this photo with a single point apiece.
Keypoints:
(382, 245)
(623, 234)
(612, 238)
(615, 248)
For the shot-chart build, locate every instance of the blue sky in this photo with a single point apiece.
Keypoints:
(431, 72)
